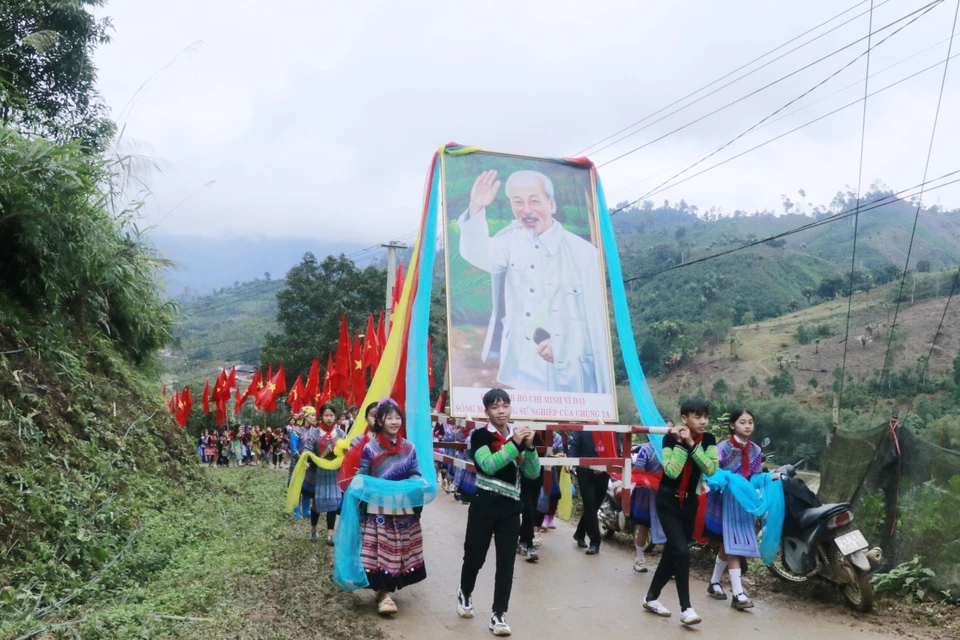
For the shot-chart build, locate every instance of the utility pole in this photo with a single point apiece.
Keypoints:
(391, 248)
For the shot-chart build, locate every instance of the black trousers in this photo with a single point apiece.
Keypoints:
(331, 517)
(593, 488)
(678, 524)
(497, 517)
(529, 493)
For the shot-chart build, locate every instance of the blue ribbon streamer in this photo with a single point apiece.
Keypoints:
(761, 496)
(649, 414)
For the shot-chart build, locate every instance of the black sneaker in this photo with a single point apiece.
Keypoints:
(498, 624)
(464, 604)
(581, 542)
(593, 550)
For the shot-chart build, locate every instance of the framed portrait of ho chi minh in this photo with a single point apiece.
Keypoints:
(526, 288)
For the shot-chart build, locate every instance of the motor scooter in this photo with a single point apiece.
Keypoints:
(819, 542)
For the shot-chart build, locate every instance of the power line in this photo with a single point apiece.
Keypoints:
(856, 217)
(803, 108)
(921, 11)
(722, 78)
(916, 218)
(782, 135)
(801, 96)
(891, 199)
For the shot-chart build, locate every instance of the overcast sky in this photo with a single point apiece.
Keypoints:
(318, 119)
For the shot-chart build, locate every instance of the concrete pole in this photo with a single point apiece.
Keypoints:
(391, 248)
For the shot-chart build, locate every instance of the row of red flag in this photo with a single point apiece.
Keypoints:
(346, 377)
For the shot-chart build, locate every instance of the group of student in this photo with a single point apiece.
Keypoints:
(244, 446)
(507, 504)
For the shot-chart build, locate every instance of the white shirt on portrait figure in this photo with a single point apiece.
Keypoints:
(557, 268)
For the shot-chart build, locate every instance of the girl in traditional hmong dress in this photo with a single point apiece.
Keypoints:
(255, 446)
(725, 519)
(321, 484)
(465, 481)
(392, 552)
(210, 447)
(643, 502)
(238, 446)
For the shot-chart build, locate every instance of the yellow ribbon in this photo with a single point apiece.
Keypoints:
(300, 472)
(382, 384)
(565, 506)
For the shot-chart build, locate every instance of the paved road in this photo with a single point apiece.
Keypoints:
(571, 595)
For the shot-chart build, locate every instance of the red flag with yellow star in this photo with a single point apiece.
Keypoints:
(371, 348)
(326, 390)
(359, 379)
(275, 386)
(381, 337)
(341, 382)
(296, 395)
(205, 399)
(221, 392)
(238, 402)
(311, 390)
(254, 387)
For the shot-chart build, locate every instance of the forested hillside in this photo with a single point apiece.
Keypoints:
(678, 308)
(227, 326)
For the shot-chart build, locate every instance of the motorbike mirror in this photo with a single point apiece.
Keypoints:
(765, 443)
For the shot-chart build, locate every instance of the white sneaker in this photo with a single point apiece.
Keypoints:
(498, 624)
(464, 604)
(640, 566)
(690, 617)
(655, 607)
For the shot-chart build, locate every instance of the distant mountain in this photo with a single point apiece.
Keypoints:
(207, 264)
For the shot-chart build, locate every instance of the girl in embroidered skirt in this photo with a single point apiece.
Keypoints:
(465, 481)
(503, 456)
(643, 501)
(392, 553)
(725, 519)
(321, 484)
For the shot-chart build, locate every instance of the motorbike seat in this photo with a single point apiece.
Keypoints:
(811, 516)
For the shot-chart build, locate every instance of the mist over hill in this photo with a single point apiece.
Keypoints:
(208, 264)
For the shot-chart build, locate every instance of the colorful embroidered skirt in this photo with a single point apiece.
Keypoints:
(466, 481)
(642, 500)
(392, 553)
(326, 493)
(730, 523)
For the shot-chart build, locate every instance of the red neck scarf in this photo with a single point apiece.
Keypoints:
(688, 471)
(744, 450)
(389, 448)
(327, 437)
(498, 440)
(605, 443)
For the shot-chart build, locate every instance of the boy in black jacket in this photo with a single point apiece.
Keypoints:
(688, 455)
(502, 455)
